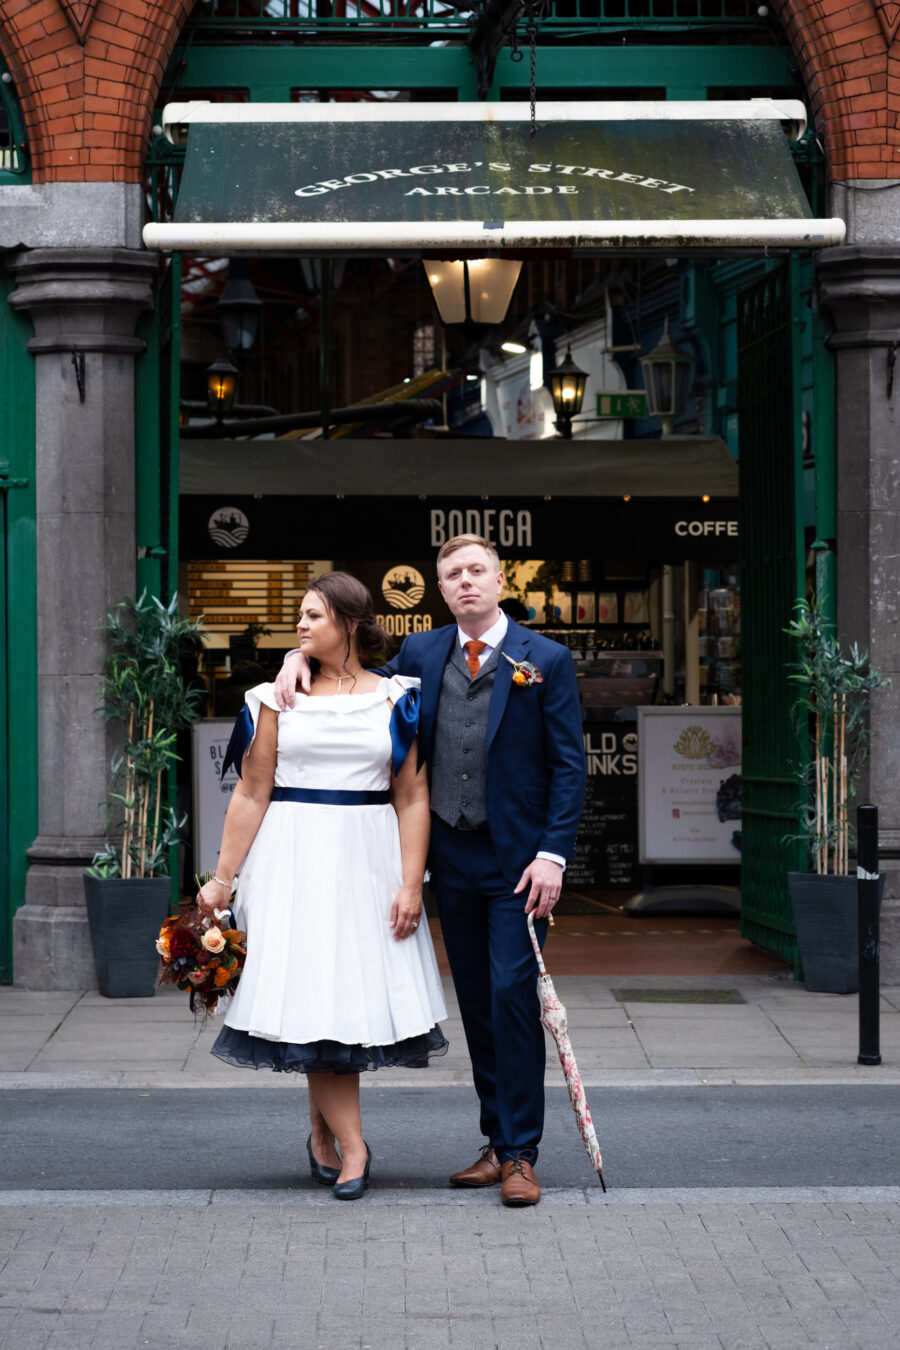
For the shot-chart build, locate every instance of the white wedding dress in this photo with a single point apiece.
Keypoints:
(325, 985)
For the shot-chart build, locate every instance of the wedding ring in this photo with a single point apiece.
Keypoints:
(416, 924)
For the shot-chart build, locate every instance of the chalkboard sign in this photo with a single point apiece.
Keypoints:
(211, 793)
(606, 851)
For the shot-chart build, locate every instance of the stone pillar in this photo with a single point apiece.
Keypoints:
(860, 286)
(88, 300)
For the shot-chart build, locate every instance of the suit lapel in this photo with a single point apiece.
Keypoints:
(517, 645)
(435, 658)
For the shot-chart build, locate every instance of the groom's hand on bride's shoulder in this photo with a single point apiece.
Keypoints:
(294, 671)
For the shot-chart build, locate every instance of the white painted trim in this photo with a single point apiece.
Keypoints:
(177, 115)
(411, 236)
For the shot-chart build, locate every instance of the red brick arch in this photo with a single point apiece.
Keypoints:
(87, 73)
(850, 62)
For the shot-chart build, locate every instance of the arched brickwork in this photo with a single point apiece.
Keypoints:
(850, 64)
(88, 71)
(87, 74)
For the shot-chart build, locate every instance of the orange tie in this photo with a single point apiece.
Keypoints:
(472, 650)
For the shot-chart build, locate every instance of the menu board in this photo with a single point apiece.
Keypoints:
(690, 784)
(606, 850)
(212, 793)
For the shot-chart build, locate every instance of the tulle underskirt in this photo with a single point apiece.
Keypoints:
(254, 1052)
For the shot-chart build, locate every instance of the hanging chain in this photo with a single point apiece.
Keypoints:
(531, 28)
(533, 10)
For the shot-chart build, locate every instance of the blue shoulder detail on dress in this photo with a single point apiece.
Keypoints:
(404, 725)
(241, 737)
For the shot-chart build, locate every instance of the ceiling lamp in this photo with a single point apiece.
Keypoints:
(238, 308)
(477, 290)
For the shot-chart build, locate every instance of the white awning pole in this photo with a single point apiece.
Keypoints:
(385, 237)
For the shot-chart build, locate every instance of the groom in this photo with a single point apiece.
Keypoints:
(506, 769)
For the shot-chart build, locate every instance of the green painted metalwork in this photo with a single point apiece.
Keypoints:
(18, 601)
(158, 384)
(14, 165)
(769, 410)
(273, 73)
(296, 18)
(6, 940)
(149, 486)
(170, 402)
(170, 445)
(822, 460)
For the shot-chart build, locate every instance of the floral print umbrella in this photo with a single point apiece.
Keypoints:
(553, 1016)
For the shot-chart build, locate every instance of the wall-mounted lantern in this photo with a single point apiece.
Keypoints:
(567, 383)
(667, 378)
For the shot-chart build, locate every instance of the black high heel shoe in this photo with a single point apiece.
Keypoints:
(353, 1190)
(326, 1176)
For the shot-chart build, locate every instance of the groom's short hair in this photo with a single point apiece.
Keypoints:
(460, 541)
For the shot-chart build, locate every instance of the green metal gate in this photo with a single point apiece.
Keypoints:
(18, 622)
(158, 392)
(772, 578)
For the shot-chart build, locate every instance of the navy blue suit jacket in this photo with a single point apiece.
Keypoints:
(535, 763)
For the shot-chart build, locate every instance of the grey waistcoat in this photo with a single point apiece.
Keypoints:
(458, 755)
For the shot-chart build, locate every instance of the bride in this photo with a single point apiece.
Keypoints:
(328, 827)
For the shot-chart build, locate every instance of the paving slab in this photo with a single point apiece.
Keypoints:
(780, 1033)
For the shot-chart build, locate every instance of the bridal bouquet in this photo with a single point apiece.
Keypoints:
(204, 955)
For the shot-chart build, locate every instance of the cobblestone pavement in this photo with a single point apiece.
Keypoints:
(688, 1270)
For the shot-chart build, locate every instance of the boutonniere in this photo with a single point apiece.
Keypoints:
(524, 673)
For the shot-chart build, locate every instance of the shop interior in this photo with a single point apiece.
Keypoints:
(640, 634)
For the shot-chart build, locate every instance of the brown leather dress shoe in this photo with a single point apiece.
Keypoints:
(519, 1185)
(485, 1172)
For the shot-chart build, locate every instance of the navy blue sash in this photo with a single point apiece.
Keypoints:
(331, 797)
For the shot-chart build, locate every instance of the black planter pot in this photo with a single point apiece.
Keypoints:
(125, 917)
(825, 917)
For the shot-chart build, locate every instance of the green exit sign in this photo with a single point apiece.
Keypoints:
(623, 403)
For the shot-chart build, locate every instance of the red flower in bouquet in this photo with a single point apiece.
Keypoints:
(183, 945)
(201, 956)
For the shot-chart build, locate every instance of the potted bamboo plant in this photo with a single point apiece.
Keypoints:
(834, 699)
(127, 887)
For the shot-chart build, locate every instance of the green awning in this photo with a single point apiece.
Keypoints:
(677, 467)
(390, 177)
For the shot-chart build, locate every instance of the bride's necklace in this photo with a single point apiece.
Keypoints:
(320, 675)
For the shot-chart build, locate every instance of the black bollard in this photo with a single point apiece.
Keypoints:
(867, 889)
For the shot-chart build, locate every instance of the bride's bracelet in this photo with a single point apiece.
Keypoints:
(220, 882)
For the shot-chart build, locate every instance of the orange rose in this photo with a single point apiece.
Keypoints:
(222, 976)
(213, 940)
(519, 678)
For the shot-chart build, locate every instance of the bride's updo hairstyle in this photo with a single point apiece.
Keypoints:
(350, 602)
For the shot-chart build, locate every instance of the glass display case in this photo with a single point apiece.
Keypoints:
(719, 622)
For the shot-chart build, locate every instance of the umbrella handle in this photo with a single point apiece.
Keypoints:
(537, 950)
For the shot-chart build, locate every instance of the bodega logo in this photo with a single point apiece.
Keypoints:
(403, 587)
(228, 527)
